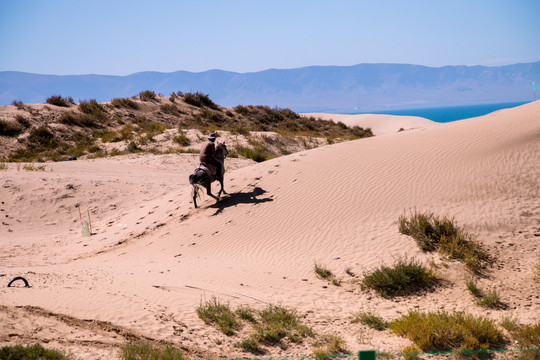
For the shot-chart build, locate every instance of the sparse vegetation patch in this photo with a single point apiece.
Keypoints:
(9, 129)
(329, 345)
(404, 277)
(272, 326)
(441, 233)
(442, 331)
(124, 103)
(322, 271)
(147, 95)
(149, 351)
(58, 100)
(370, 319)
(490, 300)
(220, 314)
(199, 99)
(35, 351)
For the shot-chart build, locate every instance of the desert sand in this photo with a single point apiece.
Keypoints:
(153, 258)
(379, 124)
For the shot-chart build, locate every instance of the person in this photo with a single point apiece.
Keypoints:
(208, 155)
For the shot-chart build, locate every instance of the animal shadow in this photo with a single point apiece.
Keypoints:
(234, 199)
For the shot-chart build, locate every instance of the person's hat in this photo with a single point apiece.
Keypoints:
(212, 137)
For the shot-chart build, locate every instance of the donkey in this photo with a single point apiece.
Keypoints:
(203, 177)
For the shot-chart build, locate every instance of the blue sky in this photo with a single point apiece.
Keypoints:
(120, 37)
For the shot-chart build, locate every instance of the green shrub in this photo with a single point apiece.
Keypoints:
(10, 129)
(404, 277)
(58, 100)
(491, 300)
(82, 120)
(251, 345)
(322, 272)
(91, 107)
(473, 288)
(246, 313)
(42, 138)
(442, 331)
(124, 103)
(147, 95)
(215, 312)
(170, 109)
(199, 99)
(435, 233)
(31, 352)
(149, 351)
(253, 154)
(278, 323)
(24, 122)
(370, 319)
(18, 104)
(182, 140)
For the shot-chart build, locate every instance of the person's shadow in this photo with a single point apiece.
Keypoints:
(234, 199)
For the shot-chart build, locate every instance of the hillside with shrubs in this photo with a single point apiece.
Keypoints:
(62, 129)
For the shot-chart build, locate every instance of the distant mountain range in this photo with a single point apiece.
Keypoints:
(346, 89)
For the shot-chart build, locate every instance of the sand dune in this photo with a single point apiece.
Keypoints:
(153, 257)
(379, 124)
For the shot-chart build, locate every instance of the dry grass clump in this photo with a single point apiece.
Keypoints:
(182, 140)
(170, 109)
(370, 319)
(35, 351)
(442, 331)
(404, 277)
(91, 107)
(215, 312)
(124, 103)
(272, 326)
(24, 122)
(537, 270)
(255, 154)
(278, 323)
(10, 129)
(322, 271)
(410, 352)
(490, 300)
(147, 95)
(329, 345)
(58, 100)
(441, 233)
(199, 99)
(92, 120)
(526, 337)
(149, 351)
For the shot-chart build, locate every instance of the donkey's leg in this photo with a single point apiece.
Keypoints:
(209, 192)
(221, 190)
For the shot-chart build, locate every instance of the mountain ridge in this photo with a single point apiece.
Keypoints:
(355, 88)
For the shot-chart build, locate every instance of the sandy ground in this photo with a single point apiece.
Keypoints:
(153, 258)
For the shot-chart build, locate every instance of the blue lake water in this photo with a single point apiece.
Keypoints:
(452, 113)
